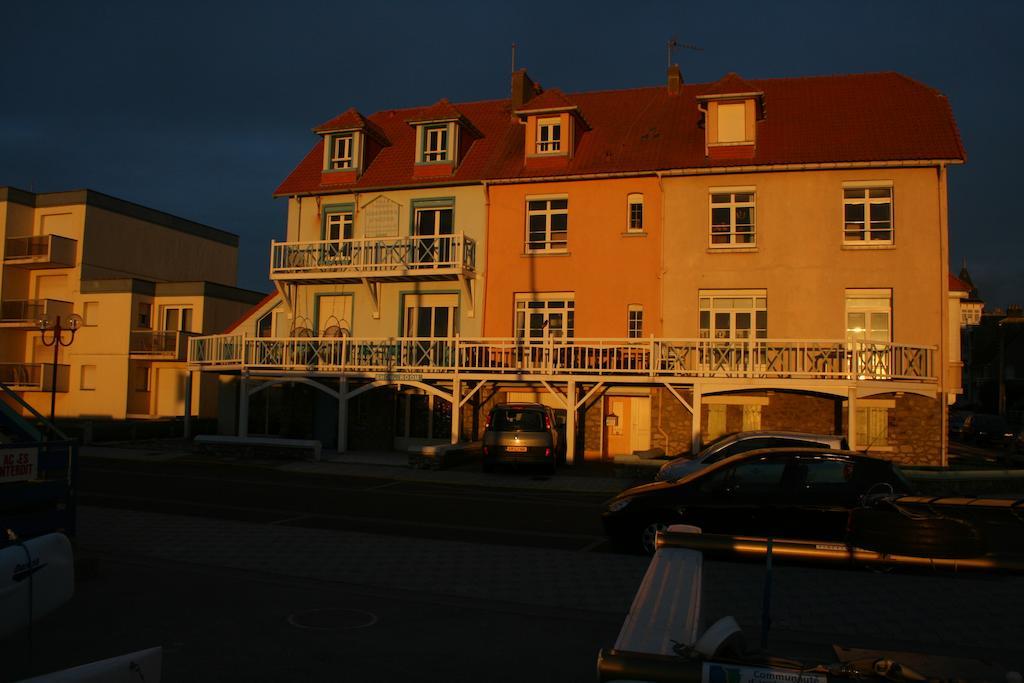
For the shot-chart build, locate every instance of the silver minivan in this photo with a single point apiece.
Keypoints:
(522, 433)
(742, 442)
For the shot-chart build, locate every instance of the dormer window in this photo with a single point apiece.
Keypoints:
(435, 144)
(732, 122)
(342, 147)
(549, 135)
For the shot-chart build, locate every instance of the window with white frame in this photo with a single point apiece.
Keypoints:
(338, 225)
(635, 321)
(540, 316)
(869, 315)
(435, 143)
(341, 152)
(867, 215)
(635, 204)
(547, 224)
(549, 135)
(733, 315)
(732, 218)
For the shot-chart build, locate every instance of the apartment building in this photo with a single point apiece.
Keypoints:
(140, 281)
(666, 264)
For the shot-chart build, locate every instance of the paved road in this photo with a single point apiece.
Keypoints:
(382, 504)
(494, 584)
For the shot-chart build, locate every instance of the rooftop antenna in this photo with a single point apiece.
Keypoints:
(674, 44)
(513, 57)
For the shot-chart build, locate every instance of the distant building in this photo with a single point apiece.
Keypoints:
(143, 282)
(666, 264)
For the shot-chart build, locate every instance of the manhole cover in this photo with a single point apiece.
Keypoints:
(332, 619)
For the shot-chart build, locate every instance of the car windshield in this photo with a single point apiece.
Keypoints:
(517, 420)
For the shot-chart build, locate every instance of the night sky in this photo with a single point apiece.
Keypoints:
(201, 109)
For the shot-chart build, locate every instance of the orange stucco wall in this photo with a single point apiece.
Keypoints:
(605, 267)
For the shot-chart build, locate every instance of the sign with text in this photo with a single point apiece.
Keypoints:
(398, 377)
(18, 464)
(728, 673)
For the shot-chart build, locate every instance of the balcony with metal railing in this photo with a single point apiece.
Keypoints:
(26, 313)
(35, 376)
(626, 359)
(40, 251)
(392, 259)
(162, 344)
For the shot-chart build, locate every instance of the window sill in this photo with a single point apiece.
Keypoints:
(634, 233)
(553, 252)
(339, 170)
(732, 250)
(853, 246)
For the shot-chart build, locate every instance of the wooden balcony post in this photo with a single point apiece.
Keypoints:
(243, 406)
(570, 423)
(695, 421)
(187, 432)
(456, 411)
(343, 414)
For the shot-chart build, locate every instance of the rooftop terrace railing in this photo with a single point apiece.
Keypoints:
(655, 358)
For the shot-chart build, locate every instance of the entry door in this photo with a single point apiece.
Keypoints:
(437, 222)
(640, 423)
(430, 318)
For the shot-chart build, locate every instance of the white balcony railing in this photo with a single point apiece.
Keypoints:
(399, 257)
(655, 358)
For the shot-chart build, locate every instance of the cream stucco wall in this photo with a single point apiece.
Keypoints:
(800, 258)
(110, 245)
(305, 221)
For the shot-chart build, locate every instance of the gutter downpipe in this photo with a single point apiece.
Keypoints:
(944, 338)
(661, 299)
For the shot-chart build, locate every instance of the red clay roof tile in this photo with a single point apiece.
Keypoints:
(349, 120)
(855, 118)
(549, 100)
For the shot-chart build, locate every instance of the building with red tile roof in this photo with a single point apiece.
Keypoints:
(666, 264)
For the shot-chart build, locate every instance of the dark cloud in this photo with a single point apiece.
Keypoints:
(200, 109)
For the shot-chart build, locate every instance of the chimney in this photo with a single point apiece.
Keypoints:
(675, 79)
(523, 89)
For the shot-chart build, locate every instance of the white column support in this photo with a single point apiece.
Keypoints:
(243, 406)
(456, 405)
(187, 431)
(472, 391)
(570, 423)
(851, 418)
(557, 394)
(695, 415)
(343, 414)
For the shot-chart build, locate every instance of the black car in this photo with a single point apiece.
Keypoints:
(795, 493)
(985, 429)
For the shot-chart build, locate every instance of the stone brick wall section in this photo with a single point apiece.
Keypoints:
(791, 412)
(671, 422)
(915, 430)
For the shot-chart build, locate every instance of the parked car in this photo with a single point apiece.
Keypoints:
(985, 429)
(523, 433)
(741, 442)
(955, 424)
(794, 493)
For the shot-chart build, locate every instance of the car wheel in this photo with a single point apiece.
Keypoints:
(648, 535)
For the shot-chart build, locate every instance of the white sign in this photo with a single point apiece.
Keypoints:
(729, 673)
(399, 377)
(18, 464)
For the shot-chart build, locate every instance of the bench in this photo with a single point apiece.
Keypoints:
(251, 443)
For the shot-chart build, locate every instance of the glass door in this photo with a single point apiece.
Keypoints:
(431, 321)
(433, 228)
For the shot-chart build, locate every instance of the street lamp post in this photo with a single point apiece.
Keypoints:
(56, 340)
